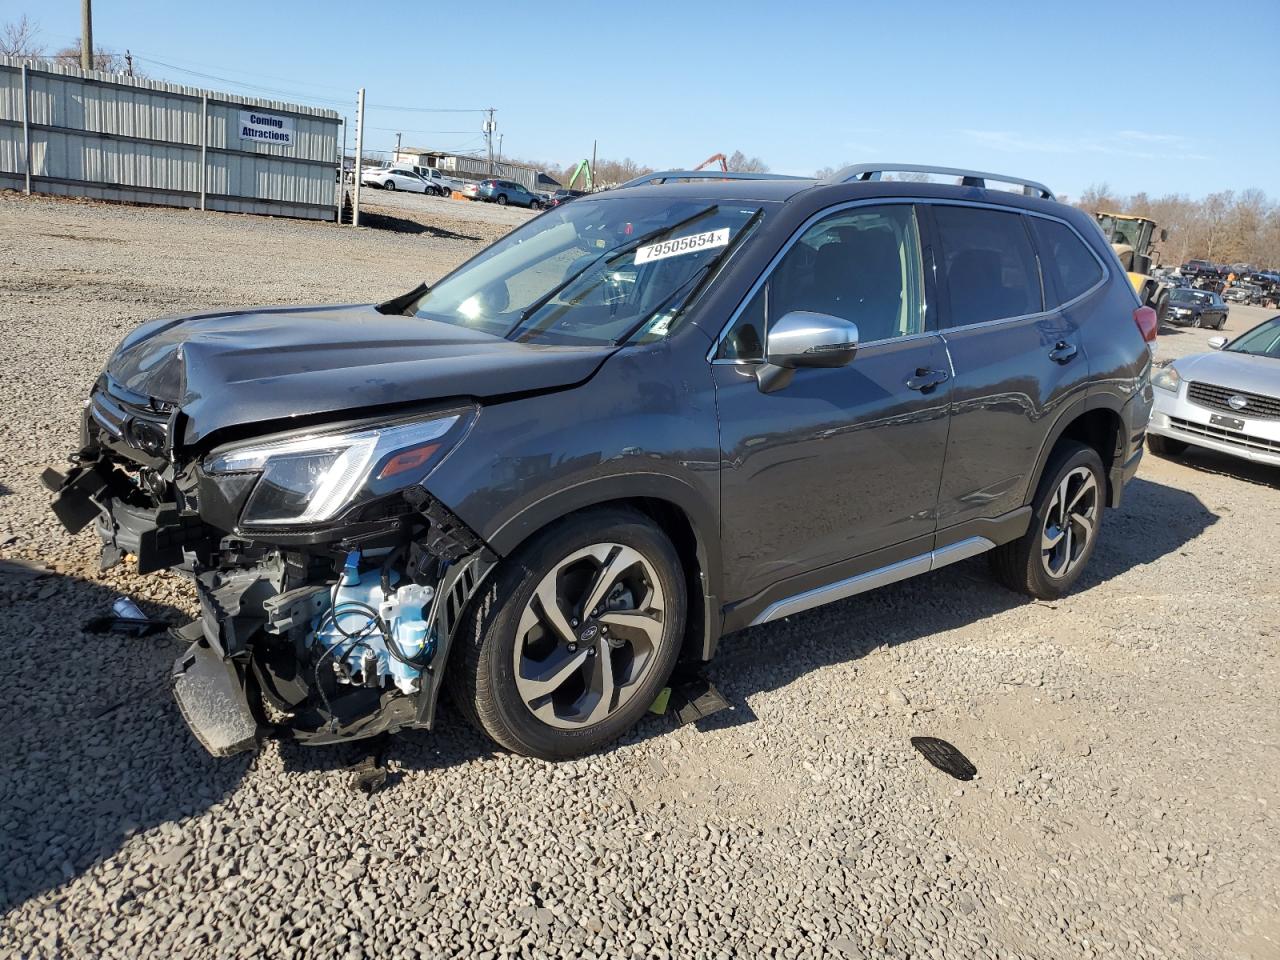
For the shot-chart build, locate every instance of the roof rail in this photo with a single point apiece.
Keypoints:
(662, 176)
(968, 178)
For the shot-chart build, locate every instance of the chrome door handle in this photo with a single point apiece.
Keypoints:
(926, 379)
(1063, 352)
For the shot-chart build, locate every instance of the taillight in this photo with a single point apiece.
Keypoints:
(1148, 323)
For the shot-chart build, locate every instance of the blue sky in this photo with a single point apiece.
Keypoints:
(1050, 93)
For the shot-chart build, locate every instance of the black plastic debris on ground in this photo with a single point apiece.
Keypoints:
(693, 697)
(371, 772)
(945, 757)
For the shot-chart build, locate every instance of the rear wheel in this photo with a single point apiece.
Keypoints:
(1065, 517)
(574, 637)
(536, 205)
(1165, 446)
(502, 199)
(1196, 321)
(390, 185)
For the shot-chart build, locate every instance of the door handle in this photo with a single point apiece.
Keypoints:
(926, 379)
(1063, 352)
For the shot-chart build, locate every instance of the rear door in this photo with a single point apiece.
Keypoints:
(840, 463)
(1015, 346)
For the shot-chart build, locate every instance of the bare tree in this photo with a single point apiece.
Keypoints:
(103, 59)
(19, 38)
(739, 162)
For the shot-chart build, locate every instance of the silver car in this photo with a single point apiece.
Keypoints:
(1227, 401)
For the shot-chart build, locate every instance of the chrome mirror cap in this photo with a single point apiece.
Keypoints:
(1217, 342)
(805, 339)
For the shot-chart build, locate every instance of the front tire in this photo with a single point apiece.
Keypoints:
(389, 185)
(1066, 516)
(502, 199)
(574, 637)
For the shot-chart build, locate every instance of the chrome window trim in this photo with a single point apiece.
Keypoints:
(942, 330)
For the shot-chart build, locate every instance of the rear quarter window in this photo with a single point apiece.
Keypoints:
(1070, 269)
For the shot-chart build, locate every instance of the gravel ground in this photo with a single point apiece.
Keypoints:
(1127, 737)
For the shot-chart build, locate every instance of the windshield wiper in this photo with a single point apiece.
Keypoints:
(607, 257)
(698, 275)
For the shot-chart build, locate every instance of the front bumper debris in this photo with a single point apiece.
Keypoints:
(210, 692)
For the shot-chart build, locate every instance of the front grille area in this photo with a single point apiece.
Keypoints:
(131, 420)
(1233, 437)
(1215, 397)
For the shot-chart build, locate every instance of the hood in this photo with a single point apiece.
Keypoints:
(275, 363)
(1235, 371)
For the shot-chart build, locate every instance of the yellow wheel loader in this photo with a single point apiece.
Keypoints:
(1133, 240)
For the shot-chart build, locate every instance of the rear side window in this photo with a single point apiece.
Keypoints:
(1069, 268)
(989, 265)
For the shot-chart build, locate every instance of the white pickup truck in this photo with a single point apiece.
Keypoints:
(443, 185)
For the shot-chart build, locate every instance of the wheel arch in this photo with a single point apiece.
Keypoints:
(674, 508)
(1098, 423)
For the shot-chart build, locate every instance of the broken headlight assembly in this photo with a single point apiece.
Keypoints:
(311, 478)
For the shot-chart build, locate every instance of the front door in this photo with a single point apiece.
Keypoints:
(840, 462)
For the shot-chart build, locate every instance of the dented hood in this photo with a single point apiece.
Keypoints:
(277, 363)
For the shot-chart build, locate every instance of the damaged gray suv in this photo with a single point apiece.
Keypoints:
(641, 421)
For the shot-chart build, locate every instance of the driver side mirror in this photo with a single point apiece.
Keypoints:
(801, 338)
(1217, 343)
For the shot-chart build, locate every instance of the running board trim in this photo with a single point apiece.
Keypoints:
(902, 570)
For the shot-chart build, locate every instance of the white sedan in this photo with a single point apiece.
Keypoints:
(1227, 401)
(394, 178)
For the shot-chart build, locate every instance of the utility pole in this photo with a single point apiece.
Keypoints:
(593, 166)
(86, 34)
(397, 160)
(500, 136)
(128, 62)
(489, 127)
(355, 204)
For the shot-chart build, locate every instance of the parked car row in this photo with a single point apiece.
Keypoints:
(409, 179)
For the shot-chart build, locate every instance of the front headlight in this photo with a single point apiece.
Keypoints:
(1167, 378)
(309, 479)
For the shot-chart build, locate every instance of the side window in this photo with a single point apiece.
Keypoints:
(990, 267)
(860, 264)
(1069, 268)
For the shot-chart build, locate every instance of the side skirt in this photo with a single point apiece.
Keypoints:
(903, 569)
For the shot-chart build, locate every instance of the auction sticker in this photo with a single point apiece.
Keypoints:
(682, 245)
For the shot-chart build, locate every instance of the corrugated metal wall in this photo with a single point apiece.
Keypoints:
(114, 137)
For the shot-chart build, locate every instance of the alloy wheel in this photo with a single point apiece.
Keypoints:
(1069, 523)
(589, 635)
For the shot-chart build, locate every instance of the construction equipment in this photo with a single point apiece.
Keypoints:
(584, 168)
(1133, 240)
(714, 158)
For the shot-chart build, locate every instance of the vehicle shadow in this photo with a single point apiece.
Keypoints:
(1153, 521)
(385, 221)
(95, 749)
(1224, 465)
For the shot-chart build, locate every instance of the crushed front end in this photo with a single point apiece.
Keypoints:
(329, 578)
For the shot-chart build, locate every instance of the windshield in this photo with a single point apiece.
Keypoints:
(1262, 341)
(1121, 231)
(592, 273)
(1183, 295)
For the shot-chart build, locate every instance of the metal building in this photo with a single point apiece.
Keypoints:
(114, 137)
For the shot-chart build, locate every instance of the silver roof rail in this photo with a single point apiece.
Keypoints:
(662, 176)
(968, 178)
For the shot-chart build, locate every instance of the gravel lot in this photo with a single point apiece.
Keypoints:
(1127, 738)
